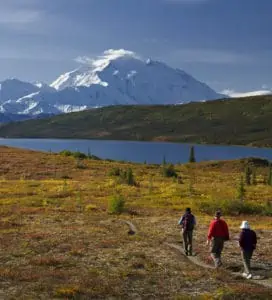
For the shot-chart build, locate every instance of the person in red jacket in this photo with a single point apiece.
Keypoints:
(218, 233)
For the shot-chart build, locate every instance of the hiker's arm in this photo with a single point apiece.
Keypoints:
(210, 232)
(181, 220)
(241, 240)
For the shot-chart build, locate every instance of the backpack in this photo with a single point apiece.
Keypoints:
(188, 222)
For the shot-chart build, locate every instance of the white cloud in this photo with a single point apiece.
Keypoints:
(21, 16)
(232, 93)
(19, 12)
(107, 56)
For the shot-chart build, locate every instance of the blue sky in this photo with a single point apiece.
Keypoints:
(225, 43)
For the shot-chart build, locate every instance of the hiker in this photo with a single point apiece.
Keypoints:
(187, 222)
(218, 234)
(247, 242)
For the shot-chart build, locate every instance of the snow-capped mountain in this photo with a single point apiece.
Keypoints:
(12, 89)
(116, 77)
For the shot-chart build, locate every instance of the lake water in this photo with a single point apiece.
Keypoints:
(151, 152)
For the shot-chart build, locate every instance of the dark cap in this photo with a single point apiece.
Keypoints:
(218, 213)
(188, 209)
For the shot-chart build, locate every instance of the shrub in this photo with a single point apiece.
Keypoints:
(125, 175)
(254, 177)
(248, 173)
(116, 204)
(90, 207)
(234, 207)
(241, 190)
(80, 164)
(79, 155)
(115, 172)
(130, 177)
(66, 153)
(169, 171)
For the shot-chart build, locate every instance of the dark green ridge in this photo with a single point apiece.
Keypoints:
(237, 121)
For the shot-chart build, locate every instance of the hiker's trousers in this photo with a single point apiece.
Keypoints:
(187, 236)
(216, 250)
(246, 257)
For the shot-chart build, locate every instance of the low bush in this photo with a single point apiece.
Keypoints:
(78, 155)
(234, 207)
(116, 204)
(66, 153)
(126, 176)
(169, 171)
(80, 164)
(115, 172)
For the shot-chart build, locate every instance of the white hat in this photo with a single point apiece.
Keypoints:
(245, 225)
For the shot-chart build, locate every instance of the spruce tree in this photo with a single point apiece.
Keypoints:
(254, 177)
(89, 155)
(130, 177)
(192, 155)
(241, 189)
(248, 175)
(269, 180)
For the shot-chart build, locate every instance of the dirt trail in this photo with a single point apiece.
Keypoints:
(194, 259)
(132, 228)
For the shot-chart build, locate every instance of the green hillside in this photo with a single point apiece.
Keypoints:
(246, 121)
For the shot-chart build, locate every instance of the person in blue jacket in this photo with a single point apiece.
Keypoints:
(187, 222)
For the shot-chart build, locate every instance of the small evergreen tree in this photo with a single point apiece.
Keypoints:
(130, 177)
(89, 153)
(169, 171)
(164, 161)
(241, 190)
(150, 185)
(116, 204)
(192, 155)
(191, 187)
(269, 179)
(248, 175)
(254, 177)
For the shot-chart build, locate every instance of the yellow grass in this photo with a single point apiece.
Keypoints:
(58, 240)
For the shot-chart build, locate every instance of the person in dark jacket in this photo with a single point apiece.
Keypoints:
(187, 222)
(218, 233)
(247, 242)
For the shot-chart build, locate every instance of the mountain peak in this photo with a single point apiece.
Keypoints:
(115, 77)
(88, 73)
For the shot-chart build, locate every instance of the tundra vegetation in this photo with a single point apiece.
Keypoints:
(64, 232)
(236, 121)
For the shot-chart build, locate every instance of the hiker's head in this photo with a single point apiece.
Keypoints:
(218, 214)
(245, 225)
(188, 210)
